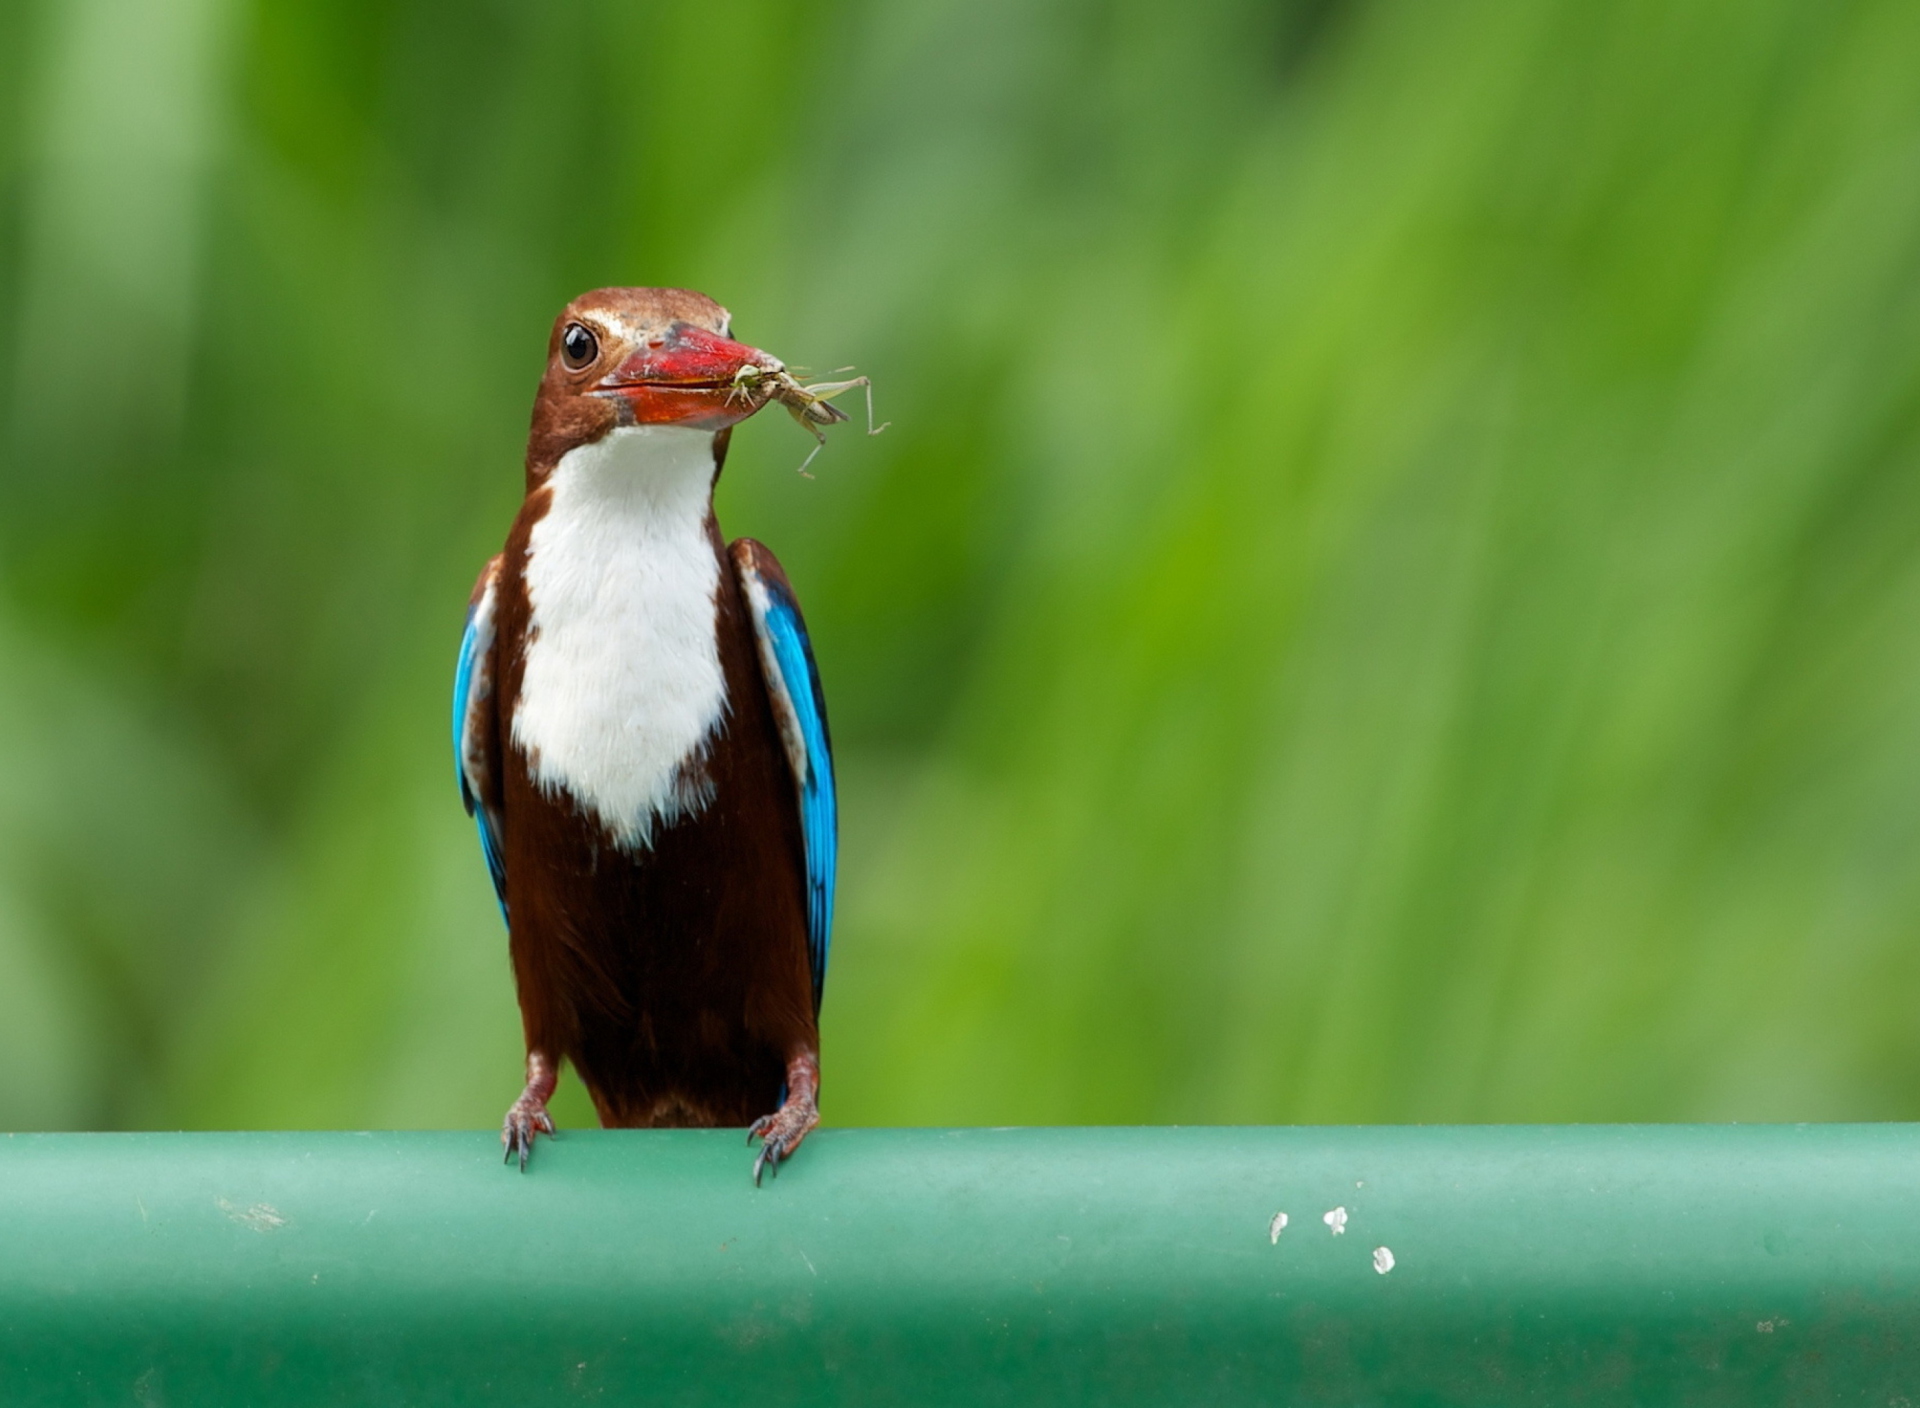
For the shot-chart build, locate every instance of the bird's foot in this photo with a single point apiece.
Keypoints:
(527, 1118)
(780, 1133)
(528, 1115)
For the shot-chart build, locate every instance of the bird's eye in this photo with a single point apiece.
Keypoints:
(578, 347)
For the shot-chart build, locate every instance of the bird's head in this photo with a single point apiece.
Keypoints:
(639, 356)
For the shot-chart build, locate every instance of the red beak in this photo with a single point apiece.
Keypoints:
(688, 376)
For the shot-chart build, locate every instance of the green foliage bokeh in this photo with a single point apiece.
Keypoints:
(1392, 593)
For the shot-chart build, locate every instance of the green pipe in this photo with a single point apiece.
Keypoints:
(1662, 1264)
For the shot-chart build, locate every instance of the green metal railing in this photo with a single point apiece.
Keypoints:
(1701, 1265)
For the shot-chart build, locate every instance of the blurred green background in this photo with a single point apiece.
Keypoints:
(1393, 592)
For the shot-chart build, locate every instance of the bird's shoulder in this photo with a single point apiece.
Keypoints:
(754, 561)
(489, 577)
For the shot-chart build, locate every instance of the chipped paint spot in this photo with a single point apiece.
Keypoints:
(261, 1217)
(1382, 1260)
(1767, 1327)
(1337, 1220)
(1276, 1227)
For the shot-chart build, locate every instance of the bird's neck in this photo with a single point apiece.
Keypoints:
(623, 688)
(647, 476)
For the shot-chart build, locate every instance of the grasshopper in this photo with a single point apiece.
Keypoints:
(810, 406)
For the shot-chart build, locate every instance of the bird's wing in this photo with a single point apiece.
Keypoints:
(793, 687)
(476, 733)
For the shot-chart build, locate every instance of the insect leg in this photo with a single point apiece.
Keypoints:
(824, 390)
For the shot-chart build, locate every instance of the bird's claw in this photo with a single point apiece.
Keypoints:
(526, 1119)
(780, 1134)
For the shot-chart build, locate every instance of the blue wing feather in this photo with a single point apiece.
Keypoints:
(470, 682)
(795, 683)
(819, 806)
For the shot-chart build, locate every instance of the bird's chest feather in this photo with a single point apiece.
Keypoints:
(622, 691)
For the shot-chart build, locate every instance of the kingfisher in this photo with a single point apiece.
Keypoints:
(640, 736)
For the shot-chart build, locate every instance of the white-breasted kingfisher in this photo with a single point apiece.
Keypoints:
(640, 735)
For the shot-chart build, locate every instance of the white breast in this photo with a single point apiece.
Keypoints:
(623, 691)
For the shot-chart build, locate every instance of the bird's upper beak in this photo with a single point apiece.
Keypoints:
(688, 376)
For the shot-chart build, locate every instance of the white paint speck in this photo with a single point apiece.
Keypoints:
(1276, 1227)
(1382, 1260)
(1337, 1220)
(261, 1217)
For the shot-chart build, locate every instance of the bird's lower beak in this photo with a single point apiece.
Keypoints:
(689, 376)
